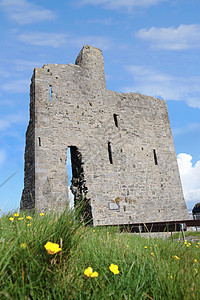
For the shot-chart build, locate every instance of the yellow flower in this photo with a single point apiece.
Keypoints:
(95, 274)
(189, 244)
(11, 218)
(20, 219)
(28, 225)
(171, 277)
(88, 271)
(127, 246)
(93, 230)
(52, 248)
(195, 260)
(114, 268)
(197, 246)
(196, 270)
(152, 254)
(16, 215)
(41, 214)
(176, 257)
(145, 247)
(23, 245)
(29, 218)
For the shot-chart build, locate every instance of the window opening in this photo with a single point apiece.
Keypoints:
(110, 153)
(50, 93)
(155, 157)
(115, 119)
(39, 141)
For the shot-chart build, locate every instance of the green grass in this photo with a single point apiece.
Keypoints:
(147, 266)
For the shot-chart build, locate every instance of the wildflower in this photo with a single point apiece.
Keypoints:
(114, 268)
(20, 219)
(93, 230)
(155, 245)
(152, 254)
(29, 217)
(41, 214)
(145, 247)
(16, 215)
(171, 277)
(196, 270)
(28, 225)
(195, 260)
(23, 245)
(197, 246)
(198, 243)
(189, 244)
(89, 273)
(11, 219)
(176, 257)
(52, 248)
(127, 246)
(185, 242)
(94, 274)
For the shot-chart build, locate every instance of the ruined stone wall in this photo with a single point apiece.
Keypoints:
(122, 143)
(28, 194)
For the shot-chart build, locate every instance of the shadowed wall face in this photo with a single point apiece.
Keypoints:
(122, 151)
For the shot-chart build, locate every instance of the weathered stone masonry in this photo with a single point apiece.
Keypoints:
(123, 156)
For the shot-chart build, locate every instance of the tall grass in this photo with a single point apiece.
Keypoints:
(148, 268)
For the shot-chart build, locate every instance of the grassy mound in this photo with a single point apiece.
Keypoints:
(144, 268)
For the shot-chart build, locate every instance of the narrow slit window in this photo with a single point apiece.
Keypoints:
(115, 119)
(110, 153)
(39, 141)
(50, 93)
(155, 157)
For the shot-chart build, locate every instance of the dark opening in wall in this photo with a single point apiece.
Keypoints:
(78, 184)
(110, 153)
(115, 119)
(155, 157)
(39, 141)
(69, 176)
(50, 93)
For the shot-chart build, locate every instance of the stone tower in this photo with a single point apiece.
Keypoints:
(122, 150)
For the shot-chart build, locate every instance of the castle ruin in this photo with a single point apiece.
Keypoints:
(122, 151)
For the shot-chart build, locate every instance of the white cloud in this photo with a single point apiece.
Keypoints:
(151, 82)
(43, 39)
(170, 38)
(192, 127)
(118, 4)
(2, 157)
(190, 178)
(101, 42)
(21, 65)
(24, 12)
(7, 121)
(16, 86)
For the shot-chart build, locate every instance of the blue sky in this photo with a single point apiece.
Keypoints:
(149, 46)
